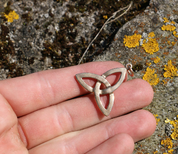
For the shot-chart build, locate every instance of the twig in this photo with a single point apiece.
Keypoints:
(107, 22)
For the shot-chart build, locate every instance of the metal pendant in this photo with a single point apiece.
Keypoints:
(108, 90)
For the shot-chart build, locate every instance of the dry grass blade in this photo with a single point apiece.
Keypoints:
(109, 20)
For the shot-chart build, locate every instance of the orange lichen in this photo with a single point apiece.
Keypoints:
(168, 27)
(105, 17)
(167, 142)
(165, 20)
(150, 77)
(157, 120)
(171, 71)
(11, 16)
(173, 43)
(148, 64)
(175, 34)
(165, 81)
(156, 60)
(167, 120)
(132, 41)
(170, 151)
(152, 34)
(150, 45)
(172, 22)
(169, 42)
(174, 123)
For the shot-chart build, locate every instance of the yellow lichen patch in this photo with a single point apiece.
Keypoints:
(174, 123)
(173, 43)
(151, 45)
(152, 34)
(105, 17)
(11, 16)
(132, 41)
(165, 20)
(174, 135)
(167, 120)
(168, 27)
(167, 143)
(170, 151)
(156, 60)
(169, 42)
(172, 22)
(148, 64)
(150, 77)
(157, 119)
(171, 70)
(175, 34)
(164, 82)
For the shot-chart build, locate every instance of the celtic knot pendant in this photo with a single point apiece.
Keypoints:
(108, 90)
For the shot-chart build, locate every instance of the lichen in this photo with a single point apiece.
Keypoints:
(11, 16)
(105, 16)
(156, 60)
(157, 119)
(152, 34)
(151, 45)
(165, 82)
(171, 70)
(173, 43)
(132, 41)
(148, 64)
(167, 142)
(172, 22)
(150, 77)
(174, 123)
(168, 28)
(170, 151)
(165, 20)
(174, 136)
(175, 34)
